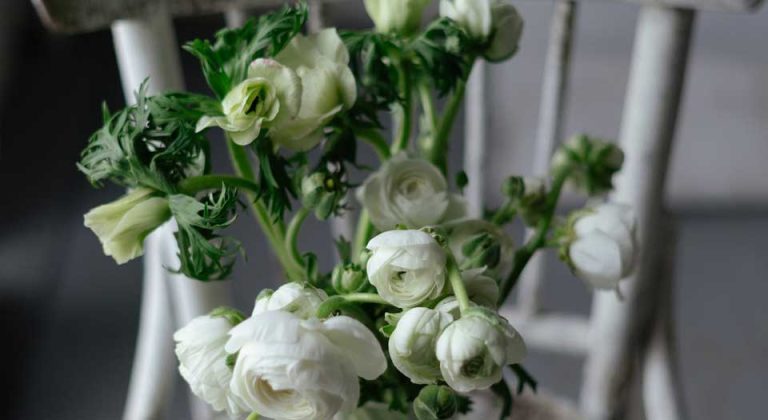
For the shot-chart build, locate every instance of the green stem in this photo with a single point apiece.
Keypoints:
(430, 115)
(365, 298)
(438, 154)
(457, 284)
(538, 240)
(273, 230)
(504, 214)
(362, 234)
(292, 236)
(196, 184)
(405, 114)
(377, 141)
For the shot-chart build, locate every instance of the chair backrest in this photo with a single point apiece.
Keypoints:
(616, 333)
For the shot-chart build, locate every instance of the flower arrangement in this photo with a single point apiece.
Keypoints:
(407, 322)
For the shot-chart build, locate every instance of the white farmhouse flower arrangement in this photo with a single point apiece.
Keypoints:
(407, 323)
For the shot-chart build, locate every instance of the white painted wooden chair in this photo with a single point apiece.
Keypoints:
(621, 341)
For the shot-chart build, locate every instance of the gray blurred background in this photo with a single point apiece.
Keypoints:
(68, 315)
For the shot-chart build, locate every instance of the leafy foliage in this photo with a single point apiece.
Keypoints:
(225, 61)
(203, 254)
(151, 144)
(275, 179)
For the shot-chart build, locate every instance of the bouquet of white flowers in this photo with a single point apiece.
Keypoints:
(406, 323)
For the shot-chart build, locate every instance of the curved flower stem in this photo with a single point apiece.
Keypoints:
(196, 184)
(404, 114)
(365, 298)
(430, 116)
(293, 234)
(538, 240)
(438, 153)
(457, 284)
(273, 230)
(362, 234)
(377, 141)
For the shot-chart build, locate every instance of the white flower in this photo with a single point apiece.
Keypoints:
(460, 234)
(481, 288)
(373, 411)
(271, 94)
(203, 362)
(604, 249)
(327, 87)
(296, 298)
(412, 344)
(407, 267)
(294, 369)
(123, 224)
(400, 16)
(410, 192)
(495, 22)
(474, 349)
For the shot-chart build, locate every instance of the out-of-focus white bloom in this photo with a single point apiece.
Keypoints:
(407, 267)
(122, 225)
(271, 94)
(327, 87)
(296, 298)
(481, 288)
(294, 369)
(474, 349)
(495, 22)
(372, 411)
(409, 192)
(412, 344)
(399, 16)
(203, 362)
(450, 305)
(604, 249)
(494, 248)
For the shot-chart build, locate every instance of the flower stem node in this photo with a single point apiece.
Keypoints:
(591, 164)
(348, 278)
(435, 402)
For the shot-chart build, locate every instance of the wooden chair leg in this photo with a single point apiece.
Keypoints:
(650, 115)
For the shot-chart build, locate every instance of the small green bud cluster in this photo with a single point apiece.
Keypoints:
(435, 402)
(481, 250)
(323, 192)
(348, 278)
(528, 196)
(590, 163)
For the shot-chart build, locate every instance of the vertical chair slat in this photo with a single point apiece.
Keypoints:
(475, 133)
(147, 47)
(549, 134)
(650, 115)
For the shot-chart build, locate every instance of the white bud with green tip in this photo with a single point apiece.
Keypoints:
(123, 225)
(412, 344)
(301, 300)
(435, 402)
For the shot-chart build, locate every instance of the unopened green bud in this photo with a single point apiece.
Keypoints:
(514, 187)
(323, 193)
(435, 402)
(312, 189)
(348, 278)
(590, 164)
(481, 250)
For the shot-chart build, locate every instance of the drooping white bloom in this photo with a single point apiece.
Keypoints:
(327, 87)
(604, 249)
(409, 192)
(296, 298)
(412, 344)
(271, 94)
(399, 16)
(407, 267)
(474, 349)
(495, 22)
(295, 369)
(460, 234)
(203, 362)
(122, 225)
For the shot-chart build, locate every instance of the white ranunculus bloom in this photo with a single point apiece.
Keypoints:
(474, 349)
(328, 87)
(412, 344)
(407, 267)
(296, 298)
(294, 369)
(409, 192)
(270, 95)
(495, 22)
(461, 232)
(122, 225)
(399, 16)
(604, 247)
(203, 362)
(481, 288)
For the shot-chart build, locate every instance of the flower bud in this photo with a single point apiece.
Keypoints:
(494, 23)
(121, 226)
(480, 251)
(477, 243)
(348, 278)
(590, 164)
(295, 298)
(323, 192)
(435, 402)
(412, 344)
(398, 16)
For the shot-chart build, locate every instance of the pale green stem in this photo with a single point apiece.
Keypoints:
(457, 284)
(377, 141)
(404, 113)
(292, 235)
(362, 234)
(428, 106)
(365, 298)
(438, 154)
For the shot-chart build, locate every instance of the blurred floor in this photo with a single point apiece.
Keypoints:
(68, 315)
